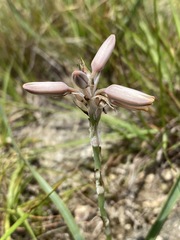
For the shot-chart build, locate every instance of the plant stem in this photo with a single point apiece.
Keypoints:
(95, 143)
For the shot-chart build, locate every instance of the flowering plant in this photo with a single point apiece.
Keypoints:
(87, 97)
(93, 102)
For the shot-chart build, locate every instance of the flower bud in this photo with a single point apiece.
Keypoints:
(128, 97)
(48, 88)
(80, 79)
(103, 54)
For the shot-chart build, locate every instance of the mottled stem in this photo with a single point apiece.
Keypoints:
(95, 143)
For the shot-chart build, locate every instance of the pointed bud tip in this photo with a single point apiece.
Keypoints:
(103, 54)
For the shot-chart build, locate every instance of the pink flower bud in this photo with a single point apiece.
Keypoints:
(80, 79)
(48, 88)
(128, 97)
(103, 54)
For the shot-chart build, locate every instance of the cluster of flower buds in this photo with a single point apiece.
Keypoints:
(86, 95)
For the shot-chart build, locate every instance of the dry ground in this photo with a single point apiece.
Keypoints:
(136, 185)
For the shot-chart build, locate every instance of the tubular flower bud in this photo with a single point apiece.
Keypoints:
(48, 88)
(87, 96)
(80, 79)
(103, 54)
(128, 97)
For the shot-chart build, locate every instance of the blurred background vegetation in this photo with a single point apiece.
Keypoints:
(44, 40)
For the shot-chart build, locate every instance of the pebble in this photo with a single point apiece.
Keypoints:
(167, 174)
(82, 212)
(159, 238)
(127, 226)
(165, 187)
(150, 177)
(159, 155)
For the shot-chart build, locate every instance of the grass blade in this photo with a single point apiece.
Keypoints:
(173, 197)
(15, 226)
(66, 214)
(176, 18)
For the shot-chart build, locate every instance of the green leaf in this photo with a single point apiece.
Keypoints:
(15, 226)
(176, 18)
(61, 206)
(173, 197)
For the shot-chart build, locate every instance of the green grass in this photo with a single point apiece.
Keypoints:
(44, 40)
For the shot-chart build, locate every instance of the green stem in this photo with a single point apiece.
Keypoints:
(95, 143)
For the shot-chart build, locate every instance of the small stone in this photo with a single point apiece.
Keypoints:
(150, 177)
(159, 155)
(156, 210)
(8, 140)
(82, 212)
(159, 238)
(167, 174)
(165, 187)
(127, 226)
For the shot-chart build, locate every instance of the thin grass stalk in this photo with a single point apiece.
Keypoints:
(172, 199)
(159, 67)
(18, 223)
(95, 143)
